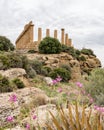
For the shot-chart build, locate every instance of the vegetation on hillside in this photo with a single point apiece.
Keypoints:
(5, 44)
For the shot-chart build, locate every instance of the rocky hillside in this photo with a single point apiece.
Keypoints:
(78, 67)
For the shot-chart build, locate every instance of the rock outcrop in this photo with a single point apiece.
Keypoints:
(13, 73)
(78, 67)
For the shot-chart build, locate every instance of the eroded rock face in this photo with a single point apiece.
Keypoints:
(77, 67)
(24, 96)
(13, 73)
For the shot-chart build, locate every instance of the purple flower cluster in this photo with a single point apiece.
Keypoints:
(13, 98)
(58, 79)
(99, 109)
(80, 85)
(10, 119)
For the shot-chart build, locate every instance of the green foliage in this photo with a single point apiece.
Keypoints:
(5, 44)
(95, 86)
(45, 70)
(31, 51)
(31, 72)
(49, 45)
(87, 51)
(66, 66)
(81, 58)
(5, 85)
(10, 60)
(36, 65)
(62, 72)
(18, 83)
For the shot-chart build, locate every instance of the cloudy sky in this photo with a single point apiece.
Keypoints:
(82, 19)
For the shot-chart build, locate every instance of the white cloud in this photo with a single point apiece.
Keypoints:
(83, 19)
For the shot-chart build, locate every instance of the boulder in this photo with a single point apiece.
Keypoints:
(13, 73)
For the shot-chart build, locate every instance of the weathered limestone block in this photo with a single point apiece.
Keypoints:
(25, 37)
(13, 73)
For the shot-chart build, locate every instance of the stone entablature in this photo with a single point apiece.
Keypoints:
(25, 41)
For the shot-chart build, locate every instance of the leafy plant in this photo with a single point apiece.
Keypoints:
(62, 72)
(5, 85)
(5, 44)
(95, 85)
(18, 83)
(49, 45)
(87, 51)
(31, 51)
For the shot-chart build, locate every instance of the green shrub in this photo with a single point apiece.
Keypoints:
(45, 70)
(31, 51)
(87, 51)
(5, 85)
(95, 86)
(10, 60)
(36, 65)
(18, 83)
(81, 58)
(66, 66)
(5, 44)
(64, 48)
(31, 72)
(49, 45)
(62, 72)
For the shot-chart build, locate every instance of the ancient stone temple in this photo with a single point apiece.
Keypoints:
(25, 40)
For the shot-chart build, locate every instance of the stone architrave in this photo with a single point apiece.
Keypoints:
(62, 35)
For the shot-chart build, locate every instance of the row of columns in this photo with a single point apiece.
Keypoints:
(64, 37)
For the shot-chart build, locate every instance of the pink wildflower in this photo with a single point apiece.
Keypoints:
(13, 98)
(59, 90)
(10, 118)
(54, 81)
(91, 100)
(58, 79)
(80, 85)
(27, 126)
(34, 117)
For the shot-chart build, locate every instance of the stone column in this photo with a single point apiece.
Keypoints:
(47, 33)
(70, 42)
(62, 36)
(55, 34)
(66, 39)
(39, 35)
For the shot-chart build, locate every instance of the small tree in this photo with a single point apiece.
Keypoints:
(49, 45)
(5, 44)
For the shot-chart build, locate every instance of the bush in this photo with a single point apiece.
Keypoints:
(31, 51)
(31, 72)
(5, 44)
(45, 70)
(87, 51)
(36, 65)
(81, 58)
(62, 72)
(95, 86)
(18, 83)
(66, 66)
(49, 46)
(10, 60)
(5, 85)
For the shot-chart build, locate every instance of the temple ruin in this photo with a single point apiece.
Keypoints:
(25, 41)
